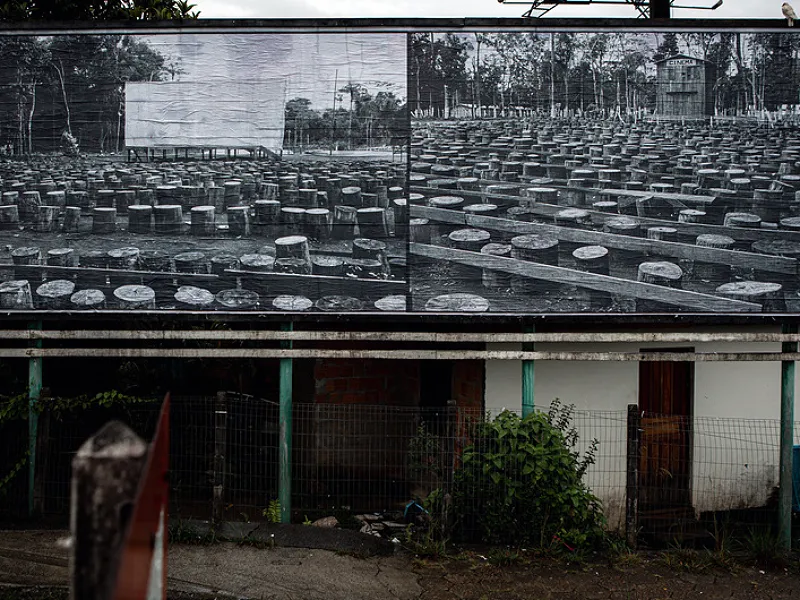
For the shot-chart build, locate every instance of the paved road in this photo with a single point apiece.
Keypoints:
(228, 570)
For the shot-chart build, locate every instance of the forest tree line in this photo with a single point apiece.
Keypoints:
(610, 74)
(51, 88)
(357, 118)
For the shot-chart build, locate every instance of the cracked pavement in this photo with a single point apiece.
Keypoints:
(229, 570)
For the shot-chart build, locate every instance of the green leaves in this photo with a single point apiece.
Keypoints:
(520, 482)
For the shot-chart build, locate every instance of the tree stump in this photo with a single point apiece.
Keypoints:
(457, 303)
(339, 304)
(232, 193)
(203, 221)
(72, 219)
(419, 231)
(538, 249)
(593, 259)
(713, 273)
(394, 303)
(293, 246)
(88, 299)
(26, 256)
(292, 219)
(16, 295)
(46, 218)
(140, 218)
(9, 217)
(659, 273)
(168, 218)
(268, 212)
(292, 303)
(332, 266)
(400, 221)
(237, 299)
(191, 262)
(768, 295)
(263, 263)
(133, 297)
(239, 220)
(194, 298)
(490, 278)
(104, 220)
(365, 268)
(29, 203)
(344, 221)
(222, 262)
(318, 223)
(61, 257)
(55, 294)
(296, 266)
(154, 260)
(351, 196)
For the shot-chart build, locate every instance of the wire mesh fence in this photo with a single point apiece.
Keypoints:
(691, 473)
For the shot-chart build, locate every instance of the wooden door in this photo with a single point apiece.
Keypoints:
(665, 452)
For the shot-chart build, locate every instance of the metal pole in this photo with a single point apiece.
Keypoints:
(527, 377)
(285, 443)
(660, 9)
(787, 440)
(34, 392)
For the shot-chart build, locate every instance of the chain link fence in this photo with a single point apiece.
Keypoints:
(691, 474)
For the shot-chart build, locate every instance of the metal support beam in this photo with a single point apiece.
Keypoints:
(528, 377)
(218, 335)
(285, 442)
(787, 440)
(417, 354)
(34, 392)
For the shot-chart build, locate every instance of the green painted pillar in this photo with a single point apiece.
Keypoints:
(787, 441)
(34, 392)
(285, 442)
(527, 377)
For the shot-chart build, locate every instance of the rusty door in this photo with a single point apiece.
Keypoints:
(665, 452)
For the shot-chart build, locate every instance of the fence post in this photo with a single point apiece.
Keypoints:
(111, 460)
(34, 392)
(528, 377)
(220, 446)
(450, 466)
(787, 435)
(632, 477)
(285, 433)
(42, 456)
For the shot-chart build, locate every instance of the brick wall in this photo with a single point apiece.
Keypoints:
(374, 382)
(468, 378)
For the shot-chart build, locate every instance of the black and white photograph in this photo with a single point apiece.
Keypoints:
(605, 172)
(204, 171)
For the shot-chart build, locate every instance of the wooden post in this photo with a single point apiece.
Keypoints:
(285, 441)
(111, 461)
(450, 466)
(34, 392)
(527, 377)
(632, 477)
(220, 445)
(787, 435)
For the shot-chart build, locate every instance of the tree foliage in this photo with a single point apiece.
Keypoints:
(607, 74)
(73, 85)
(96, 10)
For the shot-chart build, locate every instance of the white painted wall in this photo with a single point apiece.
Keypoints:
(736, 408)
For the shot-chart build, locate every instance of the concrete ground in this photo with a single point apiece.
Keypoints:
(34, 566)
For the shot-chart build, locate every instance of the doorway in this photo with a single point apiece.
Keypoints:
(666, 399)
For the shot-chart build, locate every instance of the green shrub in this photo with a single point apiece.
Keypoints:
(520, 483)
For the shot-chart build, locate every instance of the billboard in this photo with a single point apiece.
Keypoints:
(204, 114)
(508, 171)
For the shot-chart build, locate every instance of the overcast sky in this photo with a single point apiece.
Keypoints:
(240, 9)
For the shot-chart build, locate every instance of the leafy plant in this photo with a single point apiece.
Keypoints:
(520, 483)
(764, 547)
(6, 481)
(273, 511)
(424, 454)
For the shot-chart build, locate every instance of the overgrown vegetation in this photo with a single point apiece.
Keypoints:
(519, 483)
